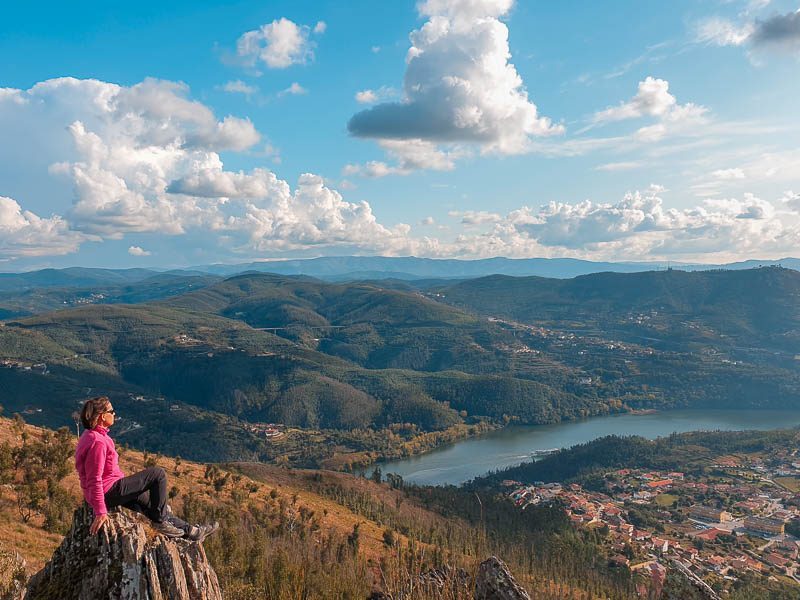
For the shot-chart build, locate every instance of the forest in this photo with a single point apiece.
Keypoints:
(360, 371)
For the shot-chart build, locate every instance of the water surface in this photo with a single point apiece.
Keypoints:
(471, 458)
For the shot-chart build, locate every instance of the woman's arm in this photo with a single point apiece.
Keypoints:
(94, 466)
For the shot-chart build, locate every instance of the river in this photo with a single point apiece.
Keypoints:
(474, 457)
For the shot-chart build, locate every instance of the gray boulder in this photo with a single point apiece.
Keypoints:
(127, 560)
(495, 582)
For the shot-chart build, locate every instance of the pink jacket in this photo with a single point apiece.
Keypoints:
(96, 460)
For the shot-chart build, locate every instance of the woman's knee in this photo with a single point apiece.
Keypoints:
(157, 473)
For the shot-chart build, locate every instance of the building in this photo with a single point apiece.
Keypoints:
(709, 535)
(660, 484)
(764, 526)
(710, 515)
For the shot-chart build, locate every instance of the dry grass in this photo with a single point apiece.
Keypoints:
(36, 545)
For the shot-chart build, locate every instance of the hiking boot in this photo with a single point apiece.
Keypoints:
(197, 533)
(168, 529)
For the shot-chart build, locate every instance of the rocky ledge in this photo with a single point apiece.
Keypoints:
(127, 560)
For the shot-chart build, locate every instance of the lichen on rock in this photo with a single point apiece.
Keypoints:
(12, 575)
(127, 560)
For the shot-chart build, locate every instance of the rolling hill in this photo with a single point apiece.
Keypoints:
(376, 372)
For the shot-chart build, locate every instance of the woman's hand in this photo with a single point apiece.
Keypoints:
(97, 524)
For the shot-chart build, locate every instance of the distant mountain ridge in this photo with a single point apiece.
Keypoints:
(369, 267)
(357, 268)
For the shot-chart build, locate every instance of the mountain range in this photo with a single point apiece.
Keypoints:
(343, 268)
(357, 371)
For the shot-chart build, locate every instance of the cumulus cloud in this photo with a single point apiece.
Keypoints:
(653, 100)
(459, 86)
(126, 142)
(641, 226)
(369, 96)
(23, 233)
(146, 159)
(366, 97)
(279, 44)
(138, 251)
(314, 215)
(210, 180)
(779, 33)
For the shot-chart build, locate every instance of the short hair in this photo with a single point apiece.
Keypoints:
(92, 410)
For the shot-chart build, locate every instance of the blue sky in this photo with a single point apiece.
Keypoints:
(171, 134)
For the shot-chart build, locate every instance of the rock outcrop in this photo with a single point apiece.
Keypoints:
(12, 575)
(127, 560)
(494, 581)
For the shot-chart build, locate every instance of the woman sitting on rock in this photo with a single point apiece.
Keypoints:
(105, 486)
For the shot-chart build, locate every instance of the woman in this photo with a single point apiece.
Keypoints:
(105, 486)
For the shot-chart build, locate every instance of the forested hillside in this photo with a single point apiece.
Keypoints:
(754, 307)
(387, 371)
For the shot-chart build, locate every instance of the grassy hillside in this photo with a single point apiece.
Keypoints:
(294, 533)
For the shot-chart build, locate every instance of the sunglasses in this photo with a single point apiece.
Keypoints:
(110, 412)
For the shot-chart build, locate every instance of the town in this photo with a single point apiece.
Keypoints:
(738, 518)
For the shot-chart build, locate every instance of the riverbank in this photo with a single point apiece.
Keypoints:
(356, 449)
(470, 458)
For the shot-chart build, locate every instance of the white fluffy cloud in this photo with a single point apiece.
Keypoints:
(459, 85)
(138, 251)
(381, 94)
(146, 159)
(278, 45)
(366, 97)
(22, 233)
(640, 226)
(315, 215)
(653, 100)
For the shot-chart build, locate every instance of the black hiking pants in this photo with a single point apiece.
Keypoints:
(146, 493)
